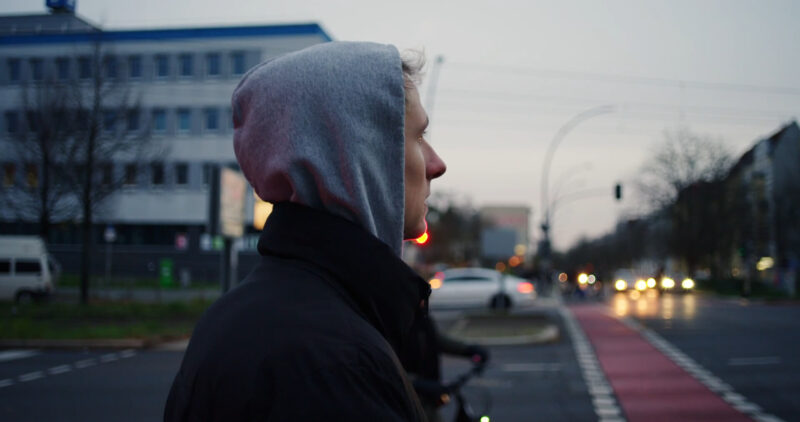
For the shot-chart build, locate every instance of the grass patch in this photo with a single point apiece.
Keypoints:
(99, 320)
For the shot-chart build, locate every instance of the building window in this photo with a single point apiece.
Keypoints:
(9, 174)
(130, 175)
(181, 174)
(207, 169)
(135, 67)
(109, 120)
(84, 68)
(157, 174)
(159, 120)
(37, 69)
(212, 64)
(184, 120)
(110, 67)
(12, 123)
(211, 119)
(106, 174)
(13, 70)
(62, 68)
(162, 66)
(186, 65)
(32, 118)
(133, 120)
(237, 63)
(31, 175)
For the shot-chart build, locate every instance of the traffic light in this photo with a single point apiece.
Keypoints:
(618, 191)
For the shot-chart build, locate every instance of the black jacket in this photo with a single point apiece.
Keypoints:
(311, 334)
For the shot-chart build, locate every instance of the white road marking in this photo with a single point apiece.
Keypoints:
(59, 369)
(705, 377)
(110, 357)
(8, 355)
(766, 360)
(605, 405)
(531, 367)
(85, 363)
(129, 353)
(31, 376)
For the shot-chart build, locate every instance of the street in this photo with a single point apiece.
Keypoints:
(623, 359)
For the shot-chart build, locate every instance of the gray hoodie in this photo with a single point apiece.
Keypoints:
(324, 127)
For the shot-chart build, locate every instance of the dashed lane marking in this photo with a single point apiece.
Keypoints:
(31, 376)
(59, 369)
(85, 363)
(9, 355)
(62, 369)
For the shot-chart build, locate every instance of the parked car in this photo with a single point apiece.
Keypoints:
(480, 287)
(27, 272)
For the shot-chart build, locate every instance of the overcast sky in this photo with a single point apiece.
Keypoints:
(515, 71)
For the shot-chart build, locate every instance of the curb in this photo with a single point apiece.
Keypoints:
(547, 332)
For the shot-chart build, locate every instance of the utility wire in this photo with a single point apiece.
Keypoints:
(627, 79)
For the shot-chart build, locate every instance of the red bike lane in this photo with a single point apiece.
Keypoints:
(648, 385)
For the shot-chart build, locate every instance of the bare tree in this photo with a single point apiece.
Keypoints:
(39, 143)
(73, 132)
(682, 159)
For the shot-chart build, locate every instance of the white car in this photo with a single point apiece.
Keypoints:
(480, 287)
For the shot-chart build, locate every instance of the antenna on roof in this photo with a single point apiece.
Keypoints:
(61, 6)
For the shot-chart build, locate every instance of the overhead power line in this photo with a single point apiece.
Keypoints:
(628, 79)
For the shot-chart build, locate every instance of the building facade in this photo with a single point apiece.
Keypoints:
(182, 81)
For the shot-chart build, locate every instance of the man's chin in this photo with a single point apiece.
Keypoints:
(416, 232)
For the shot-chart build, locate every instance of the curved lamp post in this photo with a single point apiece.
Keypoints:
(548, 159)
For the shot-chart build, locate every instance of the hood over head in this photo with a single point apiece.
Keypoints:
(324, 127)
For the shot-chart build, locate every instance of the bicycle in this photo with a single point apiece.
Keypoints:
(464, 412)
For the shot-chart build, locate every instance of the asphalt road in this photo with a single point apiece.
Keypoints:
(748, 345)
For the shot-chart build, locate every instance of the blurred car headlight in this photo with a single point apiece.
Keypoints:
(641, 285)
(435, 283)
(583, 278)
(667, 283)
(621, 285)
(687, 284)
(651, 283)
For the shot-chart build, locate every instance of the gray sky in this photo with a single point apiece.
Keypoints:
(515, 71)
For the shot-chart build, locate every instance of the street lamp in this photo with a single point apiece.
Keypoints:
(548, 159)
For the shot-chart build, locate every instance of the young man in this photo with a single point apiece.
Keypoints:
(333, 135)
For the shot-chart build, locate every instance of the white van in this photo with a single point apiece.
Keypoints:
(27, 272)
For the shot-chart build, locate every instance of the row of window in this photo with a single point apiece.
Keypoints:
(129, 174)
(161, 120)
(158, 66)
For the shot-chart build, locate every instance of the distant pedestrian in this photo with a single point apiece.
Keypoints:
(333, 135)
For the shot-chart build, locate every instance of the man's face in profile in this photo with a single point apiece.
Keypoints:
(422, 164)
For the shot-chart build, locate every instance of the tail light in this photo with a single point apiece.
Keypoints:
(525, 287)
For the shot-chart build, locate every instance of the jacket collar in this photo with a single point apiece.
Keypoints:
(387, 292)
